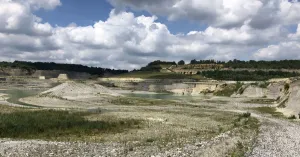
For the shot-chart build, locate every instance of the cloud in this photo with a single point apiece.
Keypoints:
(285, 50)
(288, 49)
(17, 18)
(126, 41)
(259, 14)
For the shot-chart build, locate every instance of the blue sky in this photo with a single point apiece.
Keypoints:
(87, 12)
(81, 12)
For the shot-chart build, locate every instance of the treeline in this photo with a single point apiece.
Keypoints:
(231, 64)
(158, 62)
(60, 66)
(156, 65)
(194, 61)
(282, 64)
(252, 64)
(246, 75)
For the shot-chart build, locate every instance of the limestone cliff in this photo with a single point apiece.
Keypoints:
(47, 73)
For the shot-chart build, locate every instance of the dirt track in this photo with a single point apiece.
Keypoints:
(277, 138)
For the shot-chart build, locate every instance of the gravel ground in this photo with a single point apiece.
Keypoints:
(277, 138)
(23, 148)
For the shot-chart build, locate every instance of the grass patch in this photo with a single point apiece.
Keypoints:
(217, 101)
(57, 124)
(292, 117)
(248, 127)
(228, 90)
(261, 101)
(8, 109)
(269, 110)
(239, 150)
(264, 85)
(133, 101)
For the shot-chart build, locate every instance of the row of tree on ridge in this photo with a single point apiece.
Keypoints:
(234, 64)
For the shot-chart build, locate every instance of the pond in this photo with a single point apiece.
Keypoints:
(16, 94)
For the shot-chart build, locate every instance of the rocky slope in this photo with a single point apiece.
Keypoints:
(74, 90)
(47, 73)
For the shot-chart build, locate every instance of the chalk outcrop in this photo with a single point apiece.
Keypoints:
(74, 90)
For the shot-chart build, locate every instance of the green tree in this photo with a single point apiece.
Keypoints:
(181, 62)
(194, 61)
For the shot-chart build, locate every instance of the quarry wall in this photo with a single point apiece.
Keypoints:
(293, 99)
(176, 86)
(47, 73)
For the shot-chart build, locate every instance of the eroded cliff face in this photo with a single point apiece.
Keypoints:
(176, 86)
(291, 104)
(15, 72)
(55, 73)
(47, 73)
(271, 90)
(276, 90)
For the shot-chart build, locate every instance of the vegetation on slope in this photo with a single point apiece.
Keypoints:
(158, 75)
(246, 75)
(157, 65)
(30, 66)
(269, 110)
(54, 124)
(252, 64)
(282, 64)
(228, 90)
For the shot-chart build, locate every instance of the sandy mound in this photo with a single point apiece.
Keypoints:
(253, 91)
(73, 90)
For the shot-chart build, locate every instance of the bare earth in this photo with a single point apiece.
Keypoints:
(191, 128)
(277, 138)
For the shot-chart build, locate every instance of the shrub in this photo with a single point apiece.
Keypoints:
(292, 117)
(246, 115)
(150, 140)
(264, 85)
(286, 87)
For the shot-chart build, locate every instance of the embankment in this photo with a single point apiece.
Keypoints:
(47, 73)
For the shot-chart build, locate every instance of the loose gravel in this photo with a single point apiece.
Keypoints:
(277, 138)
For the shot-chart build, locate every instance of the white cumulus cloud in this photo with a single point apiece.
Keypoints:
(242, 29)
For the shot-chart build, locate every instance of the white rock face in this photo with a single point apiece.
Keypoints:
(275, 90)
(62, 77)
(293, 102)
(73, 90)
(254, 92)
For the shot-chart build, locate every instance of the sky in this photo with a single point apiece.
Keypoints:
(128, 34)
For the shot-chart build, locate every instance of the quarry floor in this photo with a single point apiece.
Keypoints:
(183, 127)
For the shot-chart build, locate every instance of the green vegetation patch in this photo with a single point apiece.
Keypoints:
(261, 101)
(246, 75)
(228, 90)
(8, 109)
(32, 66)
(131, 101)
(249, 127)
(269, 110)
(55, 124)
